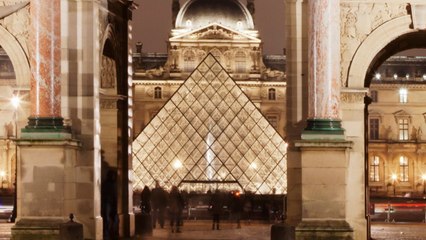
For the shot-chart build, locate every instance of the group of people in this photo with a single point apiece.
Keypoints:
(158, 202)
(155, 202)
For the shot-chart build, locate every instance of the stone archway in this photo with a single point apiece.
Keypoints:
(372, 45)
(17, 56)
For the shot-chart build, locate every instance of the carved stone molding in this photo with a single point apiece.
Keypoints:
(108, 104)
(358, 20)
(352, 96)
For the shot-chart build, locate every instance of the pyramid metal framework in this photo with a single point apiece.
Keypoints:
(210, 135)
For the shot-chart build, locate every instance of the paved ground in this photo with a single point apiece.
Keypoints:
(201, 230)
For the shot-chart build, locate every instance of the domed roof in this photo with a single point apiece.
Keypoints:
(198, 13)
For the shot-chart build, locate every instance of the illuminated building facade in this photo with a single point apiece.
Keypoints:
(224, 29)
(397, 121)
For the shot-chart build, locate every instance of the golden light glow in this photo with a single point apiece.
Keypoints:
(424, 177)
(177, 164)
(394, 177)
(15, 101)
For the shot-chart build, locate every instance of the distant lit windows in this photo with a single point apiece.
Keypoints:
(373, 94)
(403, 95)
(374, 129)
(375, 169)
(272, 94)
(157, 92)
(403, 129)
(403, 169)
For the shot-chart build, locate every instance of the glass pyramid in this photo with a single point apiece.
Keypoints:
(210, 135)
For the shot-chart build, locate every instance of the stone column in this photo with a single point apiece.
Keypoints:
(324, 69)
(45, 62)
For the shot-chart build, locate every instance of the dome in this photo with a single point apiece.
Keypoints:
(230, 13)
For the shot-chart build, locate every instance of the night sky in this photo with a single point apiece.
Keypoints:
(152, 23)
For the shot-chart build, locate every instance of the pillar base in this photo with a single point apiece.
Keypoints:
(46, 128)
(42, 229)
(323, 129)
(324, 230)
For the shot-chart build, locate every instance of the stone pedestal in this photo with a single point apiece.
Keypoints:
(51, 185)
(324, 230)
(324, 167)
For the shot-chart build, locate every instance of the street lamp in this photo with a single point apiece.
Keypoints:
(15, 101)
(394, 178)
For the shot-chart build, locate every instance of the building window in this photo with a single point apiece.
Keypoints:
(273, 120)
(373, 95)
(375, 169)
(188, 61)
(403, 168)
(374, 129)
(403, 129)
(240, 62)
(272, 94)
(403, 95)
(157, 92)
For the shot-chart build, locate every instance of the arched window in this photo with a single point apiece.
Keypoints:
(157, 92)
(240, 62)
(375, 169)
(188, 61)
(403, 169)
(272, 94)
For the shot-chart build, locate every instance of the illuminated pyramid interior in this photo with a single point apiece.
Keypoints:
(210, 135)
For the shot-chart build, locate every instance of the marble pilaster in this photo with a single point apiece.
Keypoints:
(324, 67)
(45, 61)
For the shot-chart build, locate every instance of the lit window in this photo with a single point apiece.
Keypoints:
(374, 129)
(240, 62)
(403, 129)
(272, 94)
(403, 95)
(403, 169)
(373, 94)
(375, 169)
(157, 92)
(188, 23)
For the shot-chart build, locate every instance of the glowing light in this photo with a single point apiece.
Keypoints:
(177, 164)
(424, 177)
(15, 101)
(407, 76)
(253, 165)
(394, 177)
(2, 174)
(378, 76)
(395, 76)
(424, 76)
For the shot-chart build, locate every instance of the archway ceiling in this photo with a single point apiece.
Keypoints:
(404, 42)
